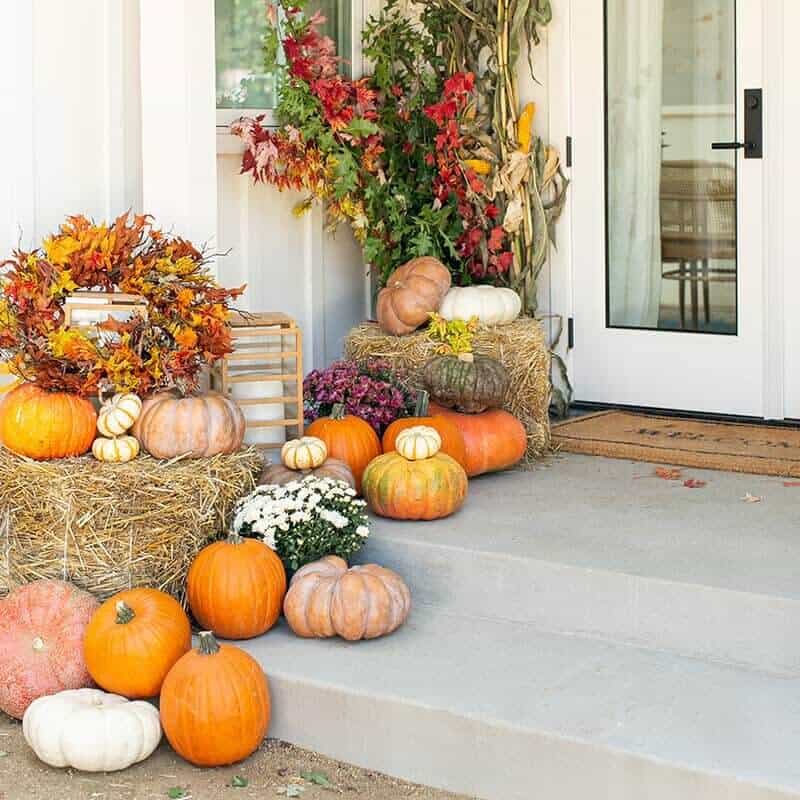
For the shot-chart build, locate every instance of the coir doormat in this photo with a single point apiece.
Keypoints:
(730, 446)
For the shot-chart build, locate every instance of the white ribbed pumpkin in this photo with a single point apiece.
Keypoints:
(117, 450)
(118, 414)
(418, 442)
(90, 730)
(492, 305)
(307, 452)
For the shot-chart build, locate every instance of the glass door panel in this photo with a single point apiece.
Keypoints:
(670, 199)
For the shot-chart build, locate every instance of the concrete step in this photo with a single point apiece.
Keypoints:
(495, 709)
(601, 548)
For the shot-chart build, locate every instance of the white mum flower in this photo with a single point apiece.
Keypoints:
(362, 531)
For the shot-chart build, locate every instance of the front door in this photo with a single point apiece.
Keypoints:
(667, 204)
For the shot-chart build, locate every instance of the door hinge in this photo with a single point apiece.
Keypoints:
(569, 151)
(570, 333)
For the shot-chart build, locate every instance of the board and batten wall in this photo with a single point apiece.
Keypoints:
(109, 105)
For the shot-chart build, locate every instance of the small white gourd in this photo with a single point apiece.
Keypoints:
(118, 414)
(307, 452)
(418, 442)
(118, 450)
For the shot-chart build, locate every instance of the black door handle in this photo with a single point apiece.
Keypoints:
(731, 146)
(753, 145)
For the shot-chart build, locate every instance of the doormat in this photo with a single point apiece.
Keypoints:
(728, 446)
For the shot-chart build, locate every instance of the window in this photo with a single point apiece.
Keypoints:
(244, 83)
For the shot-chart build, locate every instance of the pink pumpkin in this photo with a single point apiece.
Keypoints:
(41, 642)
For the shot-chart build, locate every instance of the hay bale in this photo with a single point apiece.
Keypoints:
(520, 346)
(109, 527)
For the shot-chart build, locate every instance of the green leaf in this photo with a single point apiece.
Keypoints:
(361, 127)
(239, 782)
(176, 792)
(3, 753)
(317, 778)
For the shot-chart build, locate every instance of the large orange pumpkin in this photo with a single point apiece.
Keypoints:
(197, 427)
(41, 642)
(412, 292)
(46, 425)
(215, 704)
(134, 639)
(429, 488)
(236, 587)
(328, 599)
(494, 439)
(348, 438)
(452, 440)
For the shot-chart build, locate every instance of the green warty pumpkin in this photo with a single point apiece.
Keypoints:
(470, 386)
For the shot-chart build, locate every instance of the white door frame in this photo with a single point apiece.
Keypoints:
(574, 105)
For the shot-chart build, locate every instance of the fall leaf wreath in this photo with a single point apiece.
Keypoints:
(184, 329)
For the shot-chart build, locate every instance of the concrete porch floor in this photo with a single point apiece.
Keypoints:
(583, 630)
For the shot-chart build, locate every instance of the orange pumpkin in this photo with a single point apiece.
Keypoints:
(347, 438)
(134, 639)
(452, 440)
(236, 587)
(494, 439)
(428, 488)
(197, 427)
(328, 599)
(412, 292)
(45, 425)
(215, 704)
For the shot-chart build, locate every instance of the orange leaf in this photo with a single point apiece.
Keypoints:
(668, 473)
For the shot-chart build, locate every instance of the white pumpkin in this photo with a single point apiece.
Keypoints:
(492, 305)
(118, 414)
(418, 442)
(307, 452)
(91, 730)
(117, 450)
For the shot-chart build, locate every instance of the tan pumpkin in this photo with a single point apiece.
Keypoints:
(197, 427)
(118, 450)
(307, 452)
(418, 442)
(411, 293)
(279, 474)
(325, 599)
(118, 414)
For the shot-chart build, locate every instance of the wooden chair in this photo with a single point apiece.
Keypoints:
(698, 224)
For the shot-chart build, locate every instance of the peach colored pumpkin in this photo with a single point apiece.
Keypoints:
(46, 425)
(333, 468)
(325, 599)
(197, 427)
(41, 642)
(411, 293)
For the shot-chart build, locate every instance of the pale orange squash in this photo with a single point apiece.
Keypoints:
(326, 599)
(411, 293)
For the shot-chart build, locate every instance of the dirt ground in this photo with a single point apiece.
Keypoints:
(276, 770)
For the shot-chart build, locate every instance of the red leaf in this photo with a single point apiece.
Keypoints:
(789, 484)
(694, 483)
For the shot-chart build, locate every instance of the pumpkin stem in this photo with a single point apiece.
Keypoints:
(234, 538)
(38, 644)
(208, 644)
(423, 398)
(338, 412)
(124, 613)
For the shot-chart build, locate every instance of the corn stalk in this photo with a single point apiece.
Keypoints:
(485, 37)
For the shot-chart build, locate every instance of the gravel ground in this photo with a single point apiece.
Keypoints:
(276, 770)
